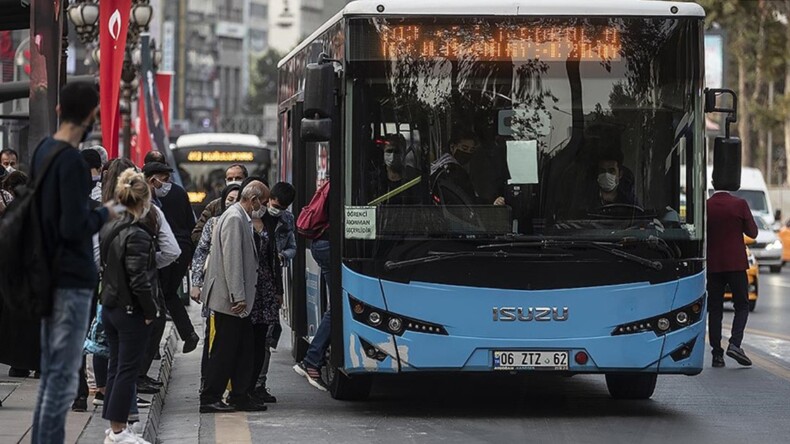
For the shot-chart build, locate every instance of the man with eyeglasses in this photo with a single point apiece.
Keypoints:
(234, 175)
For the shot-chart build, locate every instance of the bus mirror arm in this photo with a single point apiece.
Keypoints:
(726, 150)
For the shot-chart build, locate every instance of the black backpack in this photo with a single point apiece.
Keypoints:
(25, 266)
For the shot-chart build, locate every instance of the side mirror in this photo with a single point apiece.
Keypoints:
(319, 90)
(316, 130)
(726, 150)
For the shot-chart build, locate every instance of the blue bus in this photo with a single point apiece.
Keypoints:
(505, 188)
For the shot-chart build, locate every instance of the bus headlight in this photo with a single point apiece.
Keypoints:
(392, 323)
(665, 323)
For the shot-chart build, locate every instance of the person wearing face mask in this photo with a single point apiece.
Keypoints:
(93, 160)
(612, 188)
(129, 300)
(9, 160)
(68, 225)
(450, 180)
(231, 278)
(234, 175)
(394, 172)
(230, 195)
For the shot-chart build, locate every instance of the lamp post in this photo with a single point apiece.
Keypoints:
(84, 14)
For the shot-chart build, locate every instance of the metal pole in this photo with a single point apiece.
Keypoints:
(126, 118)
(770, 142)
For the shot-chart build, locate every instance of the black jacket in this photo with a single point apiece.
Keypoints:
(129, 262)
(180, 217)
(66, 218)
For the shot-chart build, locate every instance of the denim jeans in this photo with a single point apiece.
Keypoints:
(316, 353)
(62, 337)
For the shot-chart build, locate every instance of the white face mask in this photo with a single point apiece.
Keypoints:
(608, 181)
(9, 169)
(274, 212)
(258, 214)
(162, 192)
(389, 158)
(232, 182)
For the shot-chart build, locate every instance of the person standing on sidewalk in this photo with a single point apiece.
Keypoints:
(129, 301)
(729, 218)
(175, 205)
(229, 292)
(68, 227)
(234, 175)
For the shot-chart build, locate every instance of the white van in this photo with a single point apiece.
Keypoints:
(753, 190)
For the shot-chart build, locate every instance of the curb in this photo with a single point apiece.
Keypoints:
(157, 403)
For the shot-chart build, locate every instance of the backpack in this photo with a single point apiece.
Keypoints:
(313, 220)
(25, 267)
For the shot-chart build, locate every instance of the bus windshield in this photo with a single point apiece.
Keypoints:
(476, 127)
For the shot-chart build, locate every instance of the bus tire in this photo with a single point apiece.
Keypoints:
(631, 385)
(344, 387)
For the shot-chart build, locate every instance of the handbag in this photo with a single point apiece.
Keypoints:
(96, 342)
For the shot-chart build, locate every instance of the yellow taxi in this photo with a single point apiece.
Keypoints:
(784, 236)
(754, 287)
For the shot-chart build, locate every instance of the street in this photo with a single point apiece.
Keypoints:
(727, 405)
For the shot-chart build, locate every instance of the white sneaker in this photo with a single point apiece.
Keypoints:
(140, 440)
(125, 437)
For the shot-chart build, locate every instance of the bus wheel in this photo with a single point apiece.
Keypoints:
(344, 387)
(631, 385)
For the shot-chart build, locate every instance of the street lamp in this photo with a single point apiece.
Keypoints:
(85, 16)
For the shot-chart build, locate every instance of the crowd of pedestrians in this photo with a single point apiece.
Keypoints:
(122, 239)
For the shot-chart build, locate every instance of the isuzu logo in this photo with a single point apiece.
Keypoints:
(526, 314)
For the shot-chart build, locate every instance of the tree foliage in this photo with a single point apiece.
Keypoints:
(757, 51)
(263, 84)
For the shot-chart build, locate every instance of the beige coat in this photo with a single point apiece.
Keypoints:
(232, 271)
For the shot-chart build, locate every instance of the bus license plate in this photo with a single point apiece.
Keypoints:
(531, 360)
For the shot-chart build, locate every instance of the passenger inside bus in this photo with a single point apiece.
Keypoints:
(392, 179)
(614, 185)
(451, 182)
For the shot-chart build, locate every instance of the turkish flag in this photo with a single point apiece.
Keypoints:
(113, 24)
(164, 81)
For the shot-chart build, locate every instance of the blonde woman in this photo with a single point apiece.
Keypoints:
(129, 300)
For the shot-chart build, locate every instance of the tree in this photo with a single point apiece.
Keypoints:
(263, 85)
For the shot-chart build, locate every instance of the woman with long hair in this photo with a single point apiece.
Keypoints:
(129, 300)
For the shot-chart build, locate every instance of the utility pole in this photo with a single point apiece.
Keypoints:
(770, 141)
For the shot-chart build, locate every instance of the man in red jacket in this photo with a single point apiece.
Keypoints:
(729, 218)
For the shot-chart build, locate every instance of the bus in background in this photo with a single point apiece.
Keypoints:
(202, 158)
(560, 246)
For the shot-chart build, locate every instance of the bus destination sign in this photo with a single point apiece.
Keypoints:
(505, 42)
(220, 156)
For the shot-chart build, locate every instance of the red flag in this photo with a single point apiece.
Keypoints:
(163, 84)
(113, 24)
(143, 135)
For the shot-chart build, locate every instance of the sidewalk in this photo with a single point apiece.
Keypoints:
(19, 400)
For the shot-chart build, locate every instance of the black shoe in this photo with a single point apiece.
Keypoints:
(251, 405)
(143, 403)
(262, 394)
(191, 342)
(146, 388)
(149, 380)
(718, 361)
(18, 373)
(98, 399)
(217, 407)
(80, 405)
(739, 355)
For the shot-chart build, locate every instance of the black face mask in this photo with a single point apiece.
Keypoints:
(462, 157)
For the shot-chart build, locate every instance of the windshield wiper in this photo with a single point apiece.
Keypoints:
(608, 247)
(435, 256)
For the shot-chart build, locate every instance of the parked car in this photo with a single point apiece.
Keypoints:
(767, 248)
(753, 274)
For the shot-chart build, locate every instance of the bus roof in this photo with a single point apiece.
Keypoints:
(205, 139)
(646, 8)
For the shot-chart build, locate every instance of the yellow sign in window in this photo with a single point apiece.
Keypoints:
(221, 156)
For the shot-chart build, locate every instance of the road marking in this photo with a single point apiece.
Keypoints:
(232, 428)
(771, 367)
